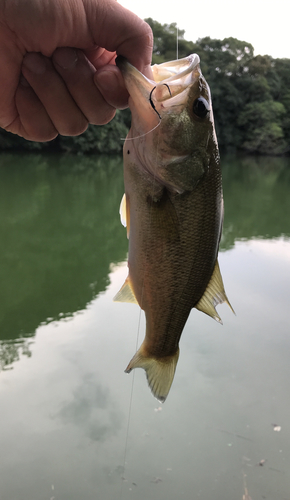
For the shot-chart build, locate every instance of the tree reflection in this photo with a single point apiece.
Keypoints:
(257, 203)
(60, 231)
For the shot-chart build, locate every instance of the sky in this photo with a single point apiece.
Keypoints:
(262, 23)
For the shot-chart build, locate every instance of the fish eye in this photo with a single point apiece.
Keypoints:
(201, 107)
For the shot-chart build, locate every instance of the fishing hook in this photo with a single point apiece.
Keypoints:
(150, 98)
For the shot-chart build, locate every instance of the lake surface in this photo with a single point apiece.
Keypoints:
(73, 425)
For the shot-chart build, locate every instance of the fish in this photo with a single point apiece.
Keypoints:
(172, 208)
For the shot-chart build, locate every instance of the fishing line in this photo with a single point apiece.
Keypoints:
(132, 384)
(139, 136)
(129, 410)
(141, 301)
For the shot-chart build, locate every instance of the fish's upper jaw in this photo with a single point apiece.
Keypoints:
(165, 72)
(173, 79)
(173, 70)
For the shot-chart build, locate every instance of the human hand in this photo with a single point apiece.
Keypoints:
(57, 71)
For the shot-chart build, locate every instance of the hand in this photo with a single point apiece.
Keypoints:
(57, 71)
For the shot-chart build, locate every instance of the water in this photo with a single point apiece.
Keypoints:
(64, 345)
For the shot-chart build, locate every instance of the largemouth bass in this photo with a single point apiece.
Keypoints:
(173, 209)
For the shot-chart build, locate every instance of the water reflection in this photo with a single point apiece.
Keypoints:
(257, 202)
(92, 409)
(64, 409)
(60, 230)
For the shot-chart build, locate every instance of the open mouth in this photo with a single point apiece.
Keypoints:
(169, 79)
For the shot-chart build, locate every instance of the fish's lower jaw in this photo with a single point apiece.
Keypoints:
(159, 371)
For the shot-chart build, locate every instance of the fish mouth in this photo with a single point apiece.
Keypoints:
(169, 86)
(176, 75)
(172, 72)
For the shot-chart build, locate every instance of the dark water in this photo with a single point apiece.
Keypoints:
(64, 344)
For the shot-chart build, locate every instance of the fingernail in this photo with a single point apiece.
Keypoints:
(65, 57)
(35, 63)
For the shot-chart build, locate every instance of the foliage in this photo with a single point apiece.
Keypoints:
(99, 139)
(251, 98)
(106, 139)
(263, 132)
(10, 141)
(165, 46)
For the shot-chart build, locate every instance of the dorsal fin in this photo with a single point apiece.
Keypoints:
(214, 294)
(126, 294)
(124, 212)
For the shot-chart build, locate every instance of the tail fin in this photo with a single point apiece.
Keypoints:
(159, 371)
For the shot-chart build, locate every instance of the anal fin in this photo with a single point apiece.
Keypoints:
(214, 294)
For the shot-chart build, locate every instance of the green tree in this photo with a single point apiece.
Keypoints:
(263, 118)
(229, 56)
(262, 125)
(251, 98)
(13, 142)
(282, 68)
(95, 140)
(165, 42)
(106, 139)
(224, 64)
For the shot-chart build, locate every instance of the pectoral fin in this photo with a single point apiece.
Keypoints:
(125, 213)
(214, 294)
(126, 293)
